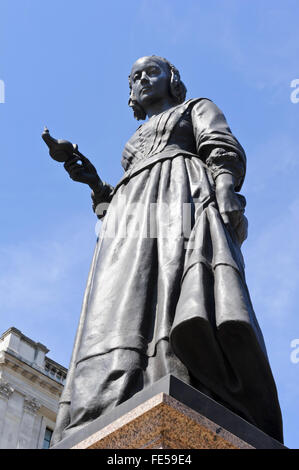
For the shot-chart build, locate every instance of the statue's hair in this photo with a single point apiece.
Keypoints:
(177, 89)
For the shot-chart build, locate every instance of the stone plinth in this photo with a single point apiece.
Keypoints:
(169, 415)
(162, 423)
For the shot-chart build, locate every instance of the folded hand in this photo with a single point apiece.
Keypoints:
(231, 207)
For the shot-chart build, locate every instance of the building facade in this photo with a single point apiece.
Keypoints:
(30, 386)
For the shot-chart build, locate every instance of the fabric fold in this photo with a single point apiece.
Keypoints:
(167, 283)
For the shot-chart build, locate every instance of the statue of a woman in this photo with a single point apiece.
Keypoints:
(161, 299)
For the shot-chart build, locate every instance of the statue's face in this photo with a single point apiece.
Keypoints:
(149, 81)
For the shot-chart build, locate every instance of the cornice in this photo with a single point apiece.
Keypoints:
(32, 374)
(18, 333)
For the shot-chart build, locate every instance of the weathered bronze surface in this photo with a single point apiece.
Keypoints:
(166, 291)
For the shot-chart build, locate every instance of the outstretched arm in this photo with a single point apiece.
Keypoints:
(101, 197)
(79, 169)
(85, 172)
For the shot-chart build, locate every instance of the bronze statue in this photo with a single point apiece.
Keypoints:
(161, 299)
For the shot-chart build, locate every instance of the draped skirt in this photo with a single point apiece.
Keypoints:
(167, 294)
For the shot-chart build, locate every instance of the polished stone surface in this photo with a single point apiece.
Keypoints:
(162, 423)
(169, 414)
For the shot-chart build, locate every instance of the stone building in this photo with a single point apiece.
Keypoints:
(30, 386)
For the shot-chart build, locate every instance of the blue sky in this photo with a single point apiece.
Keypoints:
(65, 64)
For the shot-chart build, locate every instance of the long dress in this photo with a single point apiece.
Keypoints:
(166, 291)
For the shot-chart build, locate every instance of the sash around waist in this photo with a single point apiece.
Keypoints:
(170, 152)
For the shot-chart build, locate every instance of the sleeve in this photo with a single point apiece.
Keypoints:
(101, 199)
(216, 144)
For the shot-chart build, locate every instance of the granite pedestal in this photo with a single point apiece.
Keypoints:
(169, 415)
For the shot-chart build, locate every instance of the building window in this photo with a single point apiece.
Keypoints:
(47, 438)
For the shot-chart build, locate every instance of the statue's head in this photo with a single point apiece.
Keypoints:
(153, 78)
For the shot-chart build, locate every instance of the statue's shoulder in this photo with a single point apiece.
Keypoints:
(199, 107)
(197, 104)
